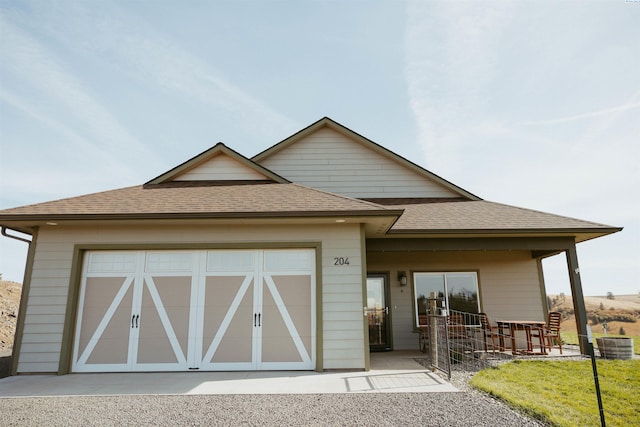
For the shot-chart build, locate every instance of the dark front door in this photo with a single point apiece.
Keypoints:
(378, 313)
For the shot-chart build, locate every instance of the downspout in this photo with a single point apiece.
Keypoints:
(4, 233)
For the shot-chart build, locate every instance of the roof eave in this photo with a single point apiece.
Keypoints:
(580, 234)
(8, 219)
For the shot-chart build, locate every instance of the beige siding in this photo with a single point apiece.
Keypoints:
(221, 167)
(509, 285)
(342, 328)
(330, 161)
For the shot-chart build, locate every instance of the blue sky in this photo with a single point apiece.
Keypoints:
(533, 104)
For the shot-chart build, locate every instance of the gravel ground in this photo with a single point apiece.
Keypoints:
(428, 409)
(467, 408)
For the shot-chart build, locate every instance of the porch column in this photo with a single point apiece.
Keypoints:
(578, 297)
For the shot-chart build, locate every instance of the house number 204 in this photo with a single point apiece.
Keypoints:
(341, 261)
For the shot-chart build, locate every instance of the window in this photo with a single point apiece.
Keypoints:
(459, 291)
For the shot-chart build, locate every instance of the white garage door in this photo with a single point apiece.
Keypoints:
(196, 310)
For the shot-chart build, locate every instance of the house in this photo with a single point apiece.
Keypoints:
(307, 256)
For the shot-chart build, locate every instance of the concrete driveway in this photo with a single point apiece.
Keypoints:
(391, 372)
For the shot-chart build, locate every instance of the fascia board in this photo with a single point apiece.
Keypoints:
(9, 219)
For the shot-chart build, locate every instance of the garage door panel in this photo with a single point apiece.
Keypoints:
(234, 349)
(156, 349)
(280, 349)
(236, 342)
(159, 335)
(295, 292)
(169, 262)
(277, 342)
(240, 261)
(220, 292)
(207, 310)
(302, 321)
(225, 296)
(109, 351)
(99, 292)
(273, 298)
(175, 293)
(233, 341)
(288, 260)
(154, 345)
(108, 347)
(112, 345)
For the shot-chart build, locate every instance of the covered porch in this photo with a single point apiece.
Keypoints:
(502, 277)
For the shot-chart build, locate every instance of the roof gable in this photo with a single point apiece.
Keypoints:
(219, 164)
(332, 157)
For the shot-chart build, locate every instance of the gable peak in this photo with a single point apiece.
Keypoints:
(326, 122)
(217, 165)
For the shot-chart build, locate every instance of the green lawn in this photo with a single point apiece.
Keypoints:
(572, 338)
(562, 393)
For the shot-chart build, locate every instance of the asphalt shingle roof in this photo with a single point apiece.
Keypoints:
(294, 200)
(213, 200)
(461, 216)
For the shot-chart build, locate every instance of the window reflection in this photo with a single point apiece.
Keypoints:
(458, 290)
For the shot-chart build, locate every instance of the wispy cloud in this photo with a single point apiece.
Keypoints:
(77, 146)
(589, 115)
(477, 73)
(33, 64)
(123, 41)
(450, 61)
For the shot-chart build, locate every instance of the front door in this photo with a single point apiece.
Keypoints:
(378, 313)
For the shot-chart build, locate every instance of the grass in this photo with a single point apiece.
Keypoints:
(572, 338)
(562, 393)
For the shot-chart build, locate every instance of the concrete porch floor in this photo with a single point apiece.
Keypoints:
(391, 372)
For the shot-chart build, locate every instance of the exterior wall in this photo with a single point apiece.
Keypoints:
(330, 161)
(508, 281)
(221, 167)
(342, 330)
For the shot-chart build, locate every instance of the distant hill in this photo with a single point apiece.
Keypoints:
(9, 302)
(617, 311)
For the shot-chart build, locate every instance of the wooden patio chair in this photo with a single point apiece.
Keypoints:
(488, 331)
(552, 330)
(547, 333)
